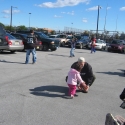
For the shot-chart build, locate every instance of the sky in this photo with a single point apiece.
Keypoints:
(64, 14)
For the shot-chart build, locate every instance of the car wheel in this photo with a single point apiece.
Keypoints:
(122, 51)
(12, 51)
(81, 46)
(102, 48)
(108, 50)
(53, 49)
(40, 48)
(45, 47)
(63, 44)
(1, 51)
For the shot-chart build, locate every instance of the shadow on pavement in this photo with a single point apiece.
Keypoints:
(50, 91)
(4, 61)
(58, 55)
(113, 73)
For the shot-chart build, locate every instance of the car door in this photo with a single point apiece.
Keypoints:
(2, 36)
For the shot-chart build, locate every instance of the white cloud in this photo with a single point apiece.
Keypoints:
(93, 8)
(57, 16)
(84, 20)
(63, 12)
(122, 8)
(62, 3)
(108, 8)
(70, 13)
(8, 11)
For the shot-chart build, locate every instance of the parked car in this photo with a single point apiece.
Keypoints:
(61, 37)
(9, 42)
(23, 37)
(100, 44)
(47, 42)
(116, 46)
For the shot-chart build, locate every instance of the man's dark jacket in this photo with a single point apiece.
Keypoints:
(86, 73)
(30, 42)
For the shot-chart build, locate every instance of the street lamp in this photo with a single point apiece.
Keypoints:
(99, 7)
(29, 20)
(11, 18)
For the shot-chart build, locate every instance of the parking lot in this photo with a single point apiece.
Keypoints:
(35, 94)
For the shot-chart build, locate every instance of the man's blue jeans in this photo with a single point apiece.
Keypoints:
(72, 52)
(93, 49)
(28, 51)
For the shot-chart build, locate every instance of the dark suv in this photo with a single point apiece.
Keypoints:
(46, 41)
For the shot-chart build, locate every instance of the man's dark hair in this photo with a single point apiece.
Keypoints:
(31, 31)
(77, 67)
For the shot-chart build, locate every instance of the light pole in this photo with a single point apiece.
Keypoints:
(105, 33)
(99, 7)
(29, 20)
(11, 18)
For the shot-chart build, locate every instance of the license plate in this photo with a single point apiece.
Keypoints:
(37, 47)
(16, 43)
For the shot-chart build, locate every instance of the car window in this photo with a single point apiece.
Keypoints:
(24, 35)
(42, 35)
(62, 36)
(69, 37)
(17, 36)
(115, 42)
(52, 36)
(10, 36)
(98, 41)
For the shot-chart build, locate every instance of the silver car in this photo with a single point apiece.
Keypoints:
(10, 43)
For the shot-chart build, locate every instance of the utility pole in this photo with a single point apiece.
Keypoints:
(11, 18)
(97, 22)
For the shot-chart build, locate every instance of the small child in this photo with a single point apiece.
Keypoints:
(73, 77)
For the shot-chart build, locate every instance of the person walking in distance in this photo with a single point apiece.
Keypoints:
(31, 39)
(73, 43)
(93, 43)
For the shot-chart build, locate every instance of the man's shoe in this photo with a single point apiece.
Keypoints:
(34, 63)
(110, 120)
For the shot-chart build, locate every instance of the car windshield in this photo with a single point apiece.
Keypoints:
(24, 35)
(52, 36)
(42, 35)
(10, 36)
(69, 37)
(116, 42)
(98, 41)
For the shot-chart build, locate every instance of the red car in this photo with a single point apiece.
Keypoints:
(116, 46)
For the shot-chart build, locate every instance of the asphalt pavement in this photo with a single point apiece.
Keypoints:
(36, 94)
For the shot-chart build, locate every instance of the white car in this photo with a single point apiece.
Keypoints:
(100, 44)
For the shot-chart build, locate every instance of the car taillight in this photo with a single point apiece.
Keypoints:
(40, 43)
(9, 43)
(7, 39)
(22, 43)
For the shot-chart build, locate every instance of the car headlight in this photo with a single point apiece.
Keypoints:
(119, 47)
(52, 42)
